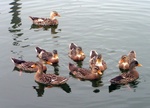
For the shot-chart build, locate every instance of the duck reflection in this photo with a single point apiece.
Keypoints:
(130, 86)
(15, 22)
(95, 84)
(53, 28)
(79, 63)
(40, 89)
(56, 69)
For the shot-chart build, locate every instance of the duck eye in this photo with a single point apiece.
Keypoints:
(96, 68)
(44, 59)
(136, 63)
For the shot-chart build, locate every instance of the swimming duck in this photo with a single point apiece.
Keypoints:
(125, 60)
(76, 53)
(26, 65)
(128, 77)
(97, 60)
(85, 74)
(49, 57)
(124, 63)
(47, 79)
(46, 21)
(131, 56)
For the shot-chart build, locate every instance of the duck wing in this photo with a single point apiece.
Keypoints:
(17, 61)
(123, 78)
(52, 79)
(37, 18)
(72, 46)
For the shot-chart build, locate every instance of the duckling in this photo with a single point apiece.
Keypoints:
(85, 74)
(76, 53)
(46, 21)
(131, 56)
(128, 77)
(124, 63)
(125, 60)
(26, 65)
(47, 79)
(49, 57)
(97, 60)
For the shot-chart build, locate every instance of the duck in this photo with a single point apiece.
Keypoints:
(46, 21)
(97, 60)
(47, 79)
(48, 57)
(125, 78)
(131, 56)
(125, 60)
(85, 74)
(76, 53)
(25, 66)
(123, 63)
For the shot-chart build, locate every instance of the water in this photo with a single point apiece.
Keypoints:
(113, 28)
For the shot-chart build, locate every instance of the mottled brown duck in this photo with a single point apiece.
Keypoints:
(85, 74)
(76, 53)
(128, 77)
(48, 57)
(25, 66)
(97, 60)
(125, 60)
(46, 21)
(47, 79)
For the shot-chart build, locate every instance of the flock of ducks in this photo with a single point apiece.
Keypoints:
(97, 66)
(127, 63)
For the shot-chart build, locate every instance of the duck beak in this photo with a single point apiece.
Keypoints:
(139, 64)
(58, 15)
(48, 63)
(82, 53)
(121, 61)
(33, 66)
(99, 72)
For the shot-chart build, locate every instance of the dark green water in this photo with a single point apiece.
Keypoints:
(112, 27)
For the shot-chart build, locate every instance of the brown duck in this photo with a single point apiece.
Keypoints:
(125, 60)
(128, 77)
(49, 57)
(97, 60)
(76, 53)
(26, 65)
(47, 79)
(85, 74)
(124, 63)
(46, 21)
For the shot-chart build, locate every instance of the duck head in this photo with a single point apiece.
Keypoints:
(79, 52)
(123, 59)
(99, 60)
(96, 70)
(53, 14)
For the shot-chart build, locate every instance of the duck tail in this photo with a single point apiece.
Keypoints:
(72, 46)
(71, 67)
(38, 50)
(16, 61)
(31, 17)
(93, 53)
(116, 80)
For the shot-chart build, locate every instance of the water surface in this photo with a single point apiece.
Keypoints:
(113, 28)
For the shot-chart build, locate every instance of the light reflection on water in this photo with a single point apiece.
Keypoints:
(113, 28)
(15, 22)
